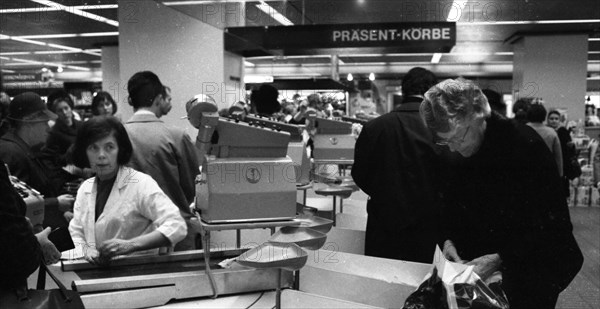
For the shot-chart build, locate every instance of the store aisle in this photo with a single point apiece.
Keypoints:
(584, 291)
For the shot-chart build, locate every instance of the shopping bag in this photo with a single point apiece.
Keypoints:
(455, 286)
(39, 299)
(60, 298)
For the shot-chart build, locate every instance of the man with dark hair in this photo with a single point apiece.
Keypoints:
(165, 153)
(4, 102)
(495, 100)
(394, 163)
(20, 149)
(265, 101)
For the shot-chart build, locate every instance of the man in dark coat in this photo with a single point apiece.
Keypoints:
(20, 149)
(504, 205)
(394, 163)
(21, 250)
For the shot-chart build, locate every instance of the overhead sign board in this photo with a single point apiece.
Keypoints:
(314, 39)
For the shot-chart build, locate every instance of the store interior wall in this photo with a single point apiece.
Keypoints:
(554, 68)
(110, 72)
(185, 53)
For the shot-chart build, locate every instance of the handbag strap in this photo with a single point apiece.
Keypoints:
(43, 270)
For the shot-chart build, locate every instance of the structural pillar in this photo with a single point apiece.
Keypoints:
(186, 54)
(554, 68)
(110, 71)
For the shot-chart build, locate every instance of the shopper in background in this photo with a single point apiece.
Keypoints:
(56, 154)
(165, 108)
(103, 104)
(264, 101)
(395, 163)
(568, 150)
(504, 208)
(174, 161)
(591, 119)
(120, 211)
(495, 100)
(520, 109)
(313, 103)
(4, 103)
(62, 135)
(20, 149)
(536, 116)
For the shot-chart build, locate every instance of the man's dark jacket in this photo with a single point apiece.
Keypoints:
(25, 164)
(19, 250)
(395, 164)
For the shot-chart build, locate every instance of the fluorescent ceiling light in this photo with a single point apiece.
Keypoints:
(195, 2)
(33, 62)
(48, 52)
(269, 10)
(64, 35)
(48, 9)
(8, 71)
(79, 12)
(436, 58)
(594, 39)
(528, 22)
(455, 10)
(258, 79)
(63, 47)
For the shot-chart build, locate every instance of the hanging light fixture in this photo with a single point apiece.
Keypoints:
(350, 77)
(372, 76)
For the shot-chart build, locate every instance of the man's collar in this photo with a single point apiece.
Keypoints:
(144, 112)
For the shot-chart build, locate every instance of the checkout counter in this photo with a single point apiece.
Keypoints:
(245, 183)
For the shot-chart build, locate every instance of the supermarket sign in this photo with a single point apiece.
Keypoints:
(390, 37)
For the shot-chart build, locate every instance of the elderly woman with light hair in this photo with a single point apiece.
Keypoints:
(504, 207)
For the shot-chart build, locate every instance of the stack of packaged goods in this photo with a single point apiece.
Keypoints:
(584, 191)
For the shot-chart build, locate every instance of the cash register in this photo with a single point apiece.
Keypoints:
(246, 175)
(33, 200)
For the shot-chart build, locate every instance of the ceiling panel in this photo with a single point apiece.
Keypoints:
(483, 27)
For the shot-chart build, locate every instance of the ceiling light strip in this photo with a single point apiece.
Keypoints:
(49, 9)
(196, 2)
(63, 47)
(528, 22)
(436, 58)
(269, 10)
(76, 11)
(48, 52)
(33, 62)
(65, 35)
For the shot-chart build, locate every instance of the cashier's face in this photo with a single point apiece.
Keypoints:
(103, 156)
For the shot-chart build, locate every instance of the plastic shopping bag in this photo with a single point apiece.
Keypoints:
(455, 286)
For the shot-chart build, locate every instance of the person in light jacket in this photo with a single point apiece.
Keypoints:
(120, 211)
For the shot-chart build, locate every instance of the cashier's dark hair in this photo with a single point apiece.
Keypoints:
(98, 128)
(143, 88)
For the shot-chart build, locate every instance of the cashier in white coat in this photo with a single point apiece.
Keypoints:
(120, 211)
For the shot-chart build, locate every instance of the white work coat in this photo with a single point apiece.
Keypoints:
(136, 206)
